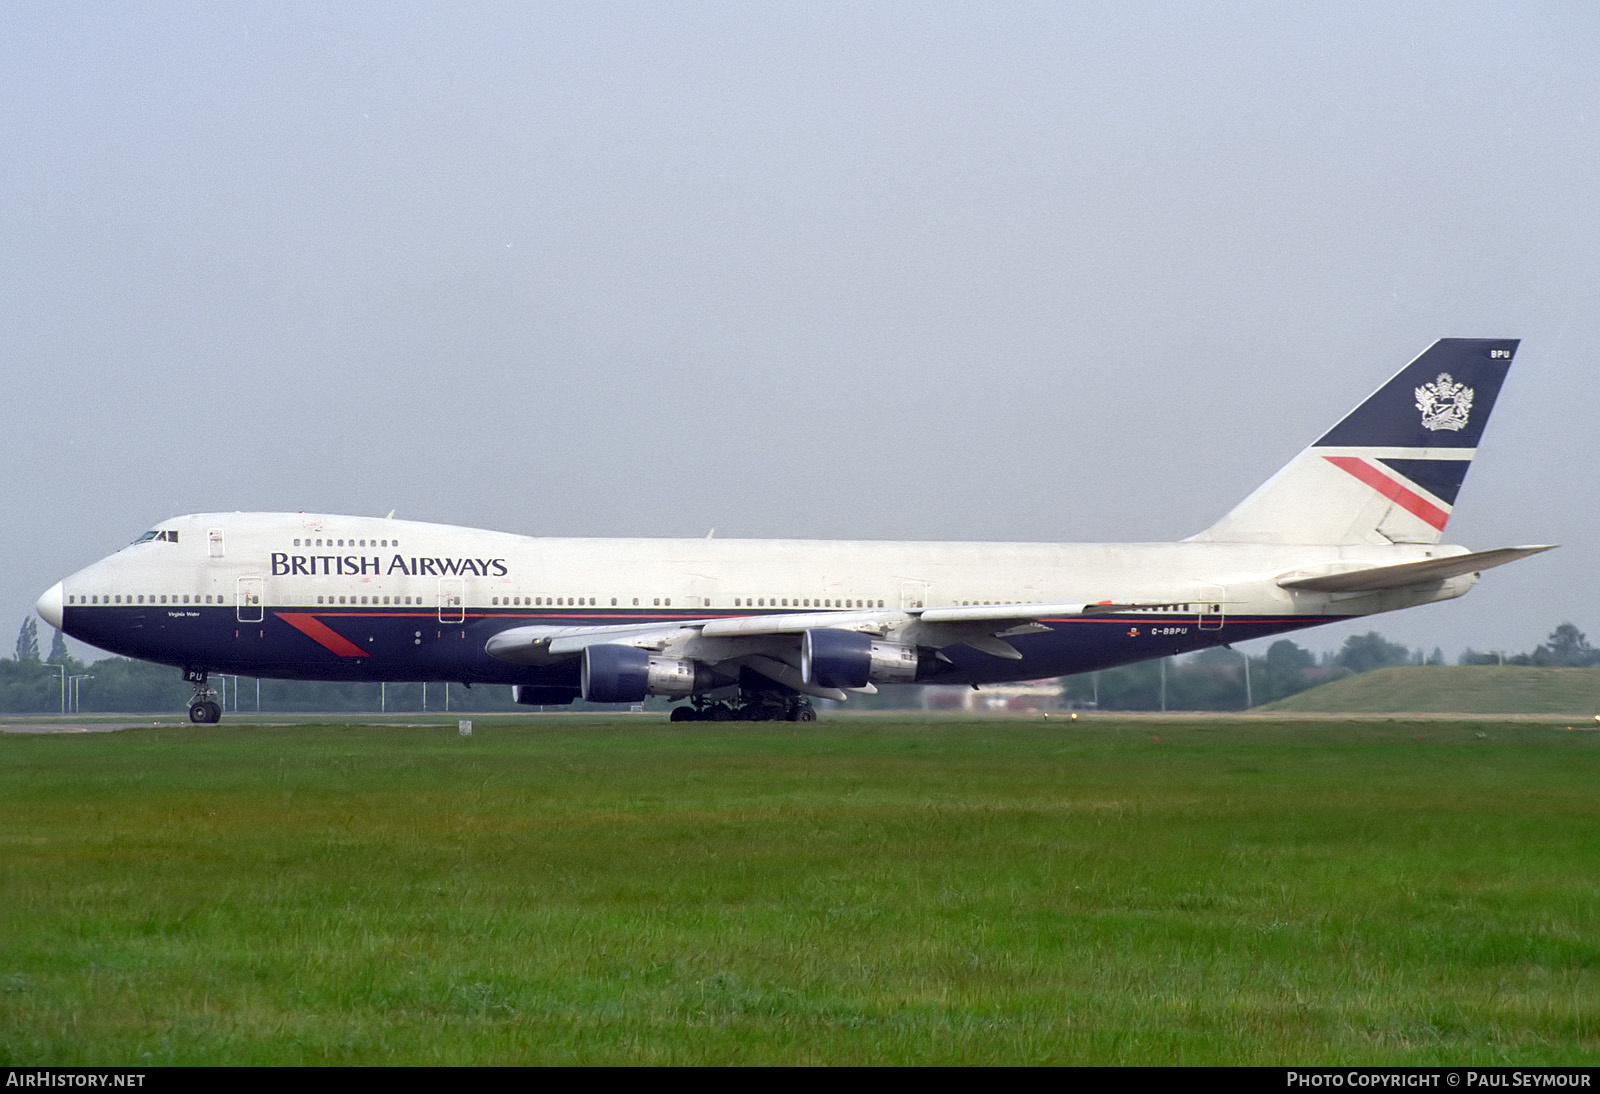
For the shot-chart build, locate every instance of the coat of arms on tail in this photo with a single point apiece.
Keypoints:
(1444, 403)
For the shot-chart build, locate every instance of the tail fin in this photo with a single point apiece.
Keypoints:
(1390, 472)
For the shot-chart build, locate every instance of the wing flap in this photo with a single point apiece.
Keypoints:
(537, 645)
(1000, 613)
(798, 623)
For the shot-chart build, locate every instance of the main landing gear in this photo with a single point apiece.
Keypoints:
(765, 705)
(203, 706)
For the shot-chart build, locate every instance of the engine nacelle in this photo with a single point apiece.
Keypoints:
(849, 659)
(626, 674)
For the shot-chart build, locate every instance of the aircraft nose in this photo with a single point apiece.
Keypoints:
(49, 606)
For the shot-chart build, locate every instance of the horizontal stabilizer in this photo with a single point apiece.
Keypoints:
(1376, 578)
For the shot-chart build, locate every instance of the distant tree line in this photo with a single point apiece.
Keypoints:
(1567, 648)
(1214, 679)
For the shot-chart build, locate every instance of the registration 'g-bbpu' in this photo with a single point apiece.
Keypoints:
(753, 629)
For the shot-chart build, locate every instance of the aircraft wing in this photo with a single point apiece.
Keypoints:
(540, 645)
(537, 644)
(1399, 575)
(771, 644)
(1000, 616)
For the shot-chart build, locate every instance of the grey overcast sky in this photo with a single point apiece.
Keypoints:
(1062, 271)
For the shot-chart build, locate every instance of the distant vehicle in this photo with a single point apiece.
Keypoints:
(752, 629)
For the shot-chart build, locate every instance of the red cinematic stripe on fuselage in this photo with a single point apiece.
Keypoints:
(322, 634)
(1409, 500)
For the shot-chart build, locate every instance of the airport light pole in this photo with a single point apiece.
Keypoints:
(77, 688)
(62, 669)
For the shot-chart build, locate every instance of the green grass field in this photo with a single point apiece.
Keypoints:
(885, 891)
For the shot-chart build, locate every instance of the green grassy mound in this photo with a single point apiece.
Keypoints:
(1487, 689)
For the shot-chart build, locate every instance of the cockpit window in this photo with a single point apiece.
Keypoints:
(169, 535)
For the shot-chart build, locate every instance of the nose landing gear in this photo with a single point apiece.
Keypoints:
(203, 706)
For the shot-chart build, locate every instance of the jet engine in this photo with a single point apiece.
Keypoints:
(626, 674)
(848, 659)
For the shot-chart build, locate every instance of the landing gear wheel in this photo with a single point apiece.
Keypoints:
(203, 706)
(806, 715)
(684, 714)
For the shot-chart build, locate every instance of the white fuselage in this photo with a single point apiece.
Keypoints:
(374, 581)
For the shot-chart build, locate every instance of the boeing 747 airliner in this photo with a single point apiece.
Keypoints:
(752, 629)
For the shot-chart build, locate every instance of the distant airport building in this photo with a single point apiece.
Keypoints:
(1027, 695)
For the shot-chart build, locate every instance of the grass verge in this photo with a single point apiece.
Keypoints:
(878, 891)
